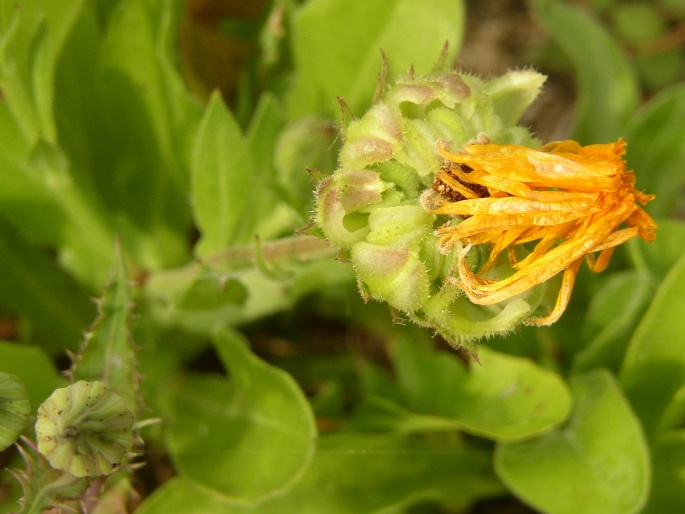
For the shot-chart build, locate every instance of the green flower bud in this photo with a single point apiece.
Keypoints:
(85, 429)
(373, 138)
(342, 196)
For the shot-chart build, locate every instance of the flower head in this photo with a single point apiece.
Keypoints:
(571, 199)
(369, 207)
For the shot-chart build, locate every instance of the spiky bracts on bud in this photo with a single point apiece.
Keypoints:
(44, 487)
(85, 429)
(88, 429)
(370, 207)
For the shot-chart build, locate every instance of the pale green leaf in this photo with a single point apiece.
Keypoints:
(597, 463)
(503, 398)
(337, 43)
(223, 185)
(359, 473)
(247, 437)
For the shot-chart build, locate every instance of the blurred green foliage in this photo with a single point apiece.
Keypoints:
(332, 407)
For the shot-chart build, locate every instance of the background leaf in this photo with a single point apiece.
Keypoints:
(128, 124)
(597, 463)
(55, 308)
(656, 151)
(655, 259)
(653, 371)
(504, 398)
(360, 473)
(612, 315)
(246, 438)
(336, 47)
(223, 181)
(607, 86)
(33, 34)
(33, 367)
(14, 409)
(668, 485)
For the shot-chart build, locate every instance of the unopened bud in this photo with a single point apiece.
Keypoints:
(84, 429)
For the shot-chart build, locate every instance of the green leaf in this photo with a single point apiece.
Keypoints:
(597, 463)
(656, 151)
(306, 143)
(654, 368)
(607, 86)
(107, 353)
(57, 309)
(127, 124)
(32, 38)
(336, 47)
(504, 398)
(41, 199)
(656, 259)
(612, 315)
(246, 438)
(668, 485)
(14, 409)
(33, 367)
(359, 473)
(223, 181)
(273, 215)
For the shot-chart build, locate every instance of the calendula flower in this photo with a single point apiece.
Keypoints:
(577, 202)
(370, 206)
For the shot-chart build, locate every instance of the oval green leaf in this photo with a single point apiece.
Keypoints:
(598, 463)
(245, 438)
(359, 473)
(504, 398)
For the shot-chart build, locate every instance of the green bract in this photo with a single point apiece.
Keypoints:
(370, 206)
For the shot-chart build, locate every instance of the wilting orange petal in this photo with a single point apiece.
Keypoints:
(571, 198)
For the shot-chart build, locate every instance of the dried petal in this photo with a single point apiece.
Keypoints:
(572, 199)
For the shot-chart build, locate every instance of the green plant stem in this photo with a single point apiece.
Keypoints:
(164, 284)
(301, 247)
